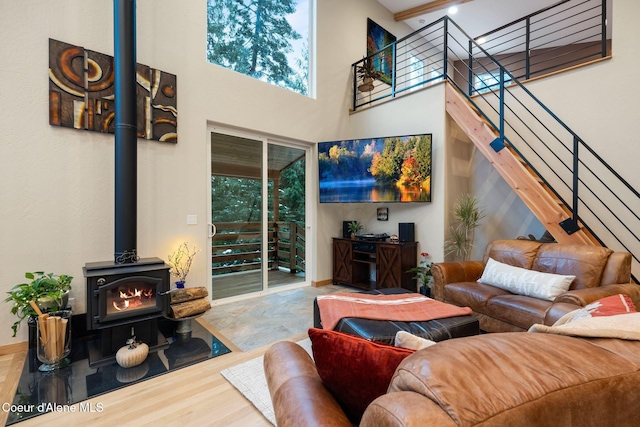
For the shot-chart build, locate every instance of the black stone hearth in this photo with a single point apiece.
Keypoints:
(78, 382)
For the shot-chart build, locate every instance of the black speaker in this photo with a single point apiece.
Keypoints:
(345, 228)
(406, 232)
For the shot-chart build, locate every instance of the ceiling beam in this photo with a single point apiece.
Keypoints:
(426, 8)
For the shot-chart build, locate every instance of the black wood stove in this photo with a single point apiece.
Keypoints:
(125, 297)
(125, 300)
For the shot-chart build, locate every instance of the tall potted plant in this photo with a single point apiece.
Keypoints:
(467, 215)
(50, 292)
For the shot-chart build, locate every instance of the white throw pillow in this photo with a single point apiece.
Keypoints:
(412, 342)
(525, 282)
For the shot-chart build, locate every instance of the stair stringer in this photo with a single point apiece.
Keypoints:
(547, 209)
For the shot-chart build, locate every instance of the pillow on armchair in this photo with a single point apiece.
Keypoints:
(356, 371)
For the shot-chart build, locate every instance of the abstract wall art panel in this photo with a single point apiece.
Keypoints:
(81, 94)
(99, 92)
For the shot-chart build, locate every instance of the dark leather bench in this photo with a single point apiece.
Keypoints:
(384, 331)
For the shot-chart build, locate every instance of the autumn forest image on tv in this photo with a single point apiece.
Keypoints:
(394, 169)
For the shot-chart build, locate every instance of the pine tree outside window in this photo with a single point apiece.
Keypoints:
(264, 39)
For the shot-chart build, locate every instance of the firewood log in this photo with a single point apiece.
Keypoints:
(62, 335)
(52, 338)
(188, 294)
(189, 308)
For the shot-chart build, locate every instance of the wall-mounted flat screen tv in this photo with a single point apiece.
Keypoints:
(393, 169)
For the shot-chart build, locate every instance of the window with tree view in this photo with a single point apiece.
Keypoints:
(264, 39)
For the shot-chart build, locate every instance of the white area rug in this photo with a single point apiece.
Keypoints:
(249, 379)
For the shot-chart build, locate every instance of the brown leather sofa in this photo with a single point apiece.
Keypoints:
(599, 272)
(504, 379)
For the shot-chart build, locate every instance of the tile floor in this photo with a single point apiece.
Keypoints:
(260, 321)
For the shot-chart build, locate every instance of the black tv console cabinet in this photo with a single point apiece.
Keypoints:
(356, 260)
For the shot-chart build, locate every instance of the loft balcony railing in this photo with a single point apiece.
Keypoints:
(569, 33)
(555, 38)
(596, 197)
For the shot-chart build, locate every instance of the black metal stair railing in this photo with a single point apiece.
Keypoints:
(595, 196)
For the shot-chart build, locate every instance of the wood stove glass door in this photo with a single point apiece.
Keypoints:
(238, 247)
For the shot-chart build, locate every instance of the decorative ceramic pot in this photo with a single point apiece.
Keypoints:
(132, 354)
(47, 303)
(367, 85)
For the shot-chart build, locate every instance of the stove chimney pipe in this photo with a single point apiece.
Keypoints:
(125, 131)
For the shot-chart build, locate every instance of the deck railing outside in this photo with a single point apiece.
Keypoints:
(237, 247)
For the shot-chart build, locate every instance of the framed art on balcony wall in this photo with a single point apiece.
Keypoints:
(377, 38)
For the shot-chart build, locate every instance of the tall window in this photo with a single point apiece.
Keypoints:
(416, 71)
(486, 82)
(264, 39)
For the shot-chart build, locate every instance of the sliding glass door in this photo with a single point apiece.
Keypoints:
(286, 215)
(236, 213)
(258, 242)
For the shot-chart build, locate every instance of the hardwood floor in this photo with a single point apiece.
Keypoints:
(193, 396)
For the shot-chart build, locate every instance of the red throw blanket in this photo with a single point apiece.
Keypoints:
(398, 307)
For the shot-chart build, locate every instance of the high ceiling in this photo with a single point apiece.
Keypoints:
(474, 16)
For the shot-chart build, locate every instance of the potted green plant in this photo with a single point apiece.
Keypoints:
(367, 73)
(423, 274)
(50, 292)
(354, 227)
(467, 215)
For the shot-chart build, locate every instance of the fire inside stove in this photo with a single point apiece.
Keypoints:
(119, 294)
(133, 296)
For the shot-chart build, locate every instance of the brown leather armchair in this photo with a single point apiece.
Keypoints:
(599, 272)
(509, 379)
